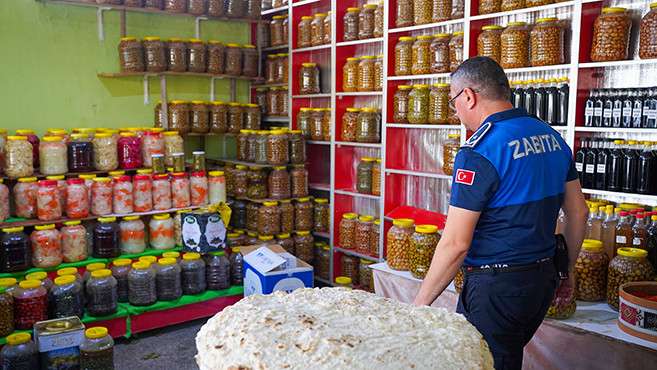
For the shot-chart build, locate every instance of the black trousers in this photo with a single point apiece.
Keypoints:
(507, 308)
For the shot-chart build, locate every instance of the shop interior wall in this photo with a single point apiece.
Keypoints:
(50, 56)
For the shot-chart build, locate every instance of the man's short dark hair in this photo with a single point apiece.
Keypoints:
(483, 75)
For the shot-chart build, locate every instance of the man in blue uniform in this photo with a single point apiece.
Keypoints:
(510, 180)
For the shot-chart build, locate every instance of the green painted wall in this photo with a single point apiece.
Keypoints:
(50, 55)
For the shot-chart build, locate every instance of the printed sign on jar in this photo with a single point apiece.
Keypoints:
(204, 232)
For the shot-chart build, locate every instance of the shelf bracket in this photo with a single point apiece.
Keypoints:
(197, 24)
(164, 100)
(212, 91)
(147, 90)
(233, 89)
(101, 25)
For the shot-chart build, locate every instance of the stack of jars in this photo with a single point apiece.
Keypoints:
(495, 6)
(276, 68)
(359, 233)
(428, 54)
(213, 8)
(315, 123)
(423, 104)
(361, 125)
(192, 55)
(363, 74)
(363, 23)
(417, 12)
(314, 30)
(201, 117)
(368, 176)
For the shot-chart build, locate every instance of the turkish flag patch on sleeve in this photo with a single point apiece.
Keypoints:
(464, 177)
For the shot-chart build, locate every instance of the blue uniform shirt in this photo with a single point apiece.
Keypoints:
(513, 170)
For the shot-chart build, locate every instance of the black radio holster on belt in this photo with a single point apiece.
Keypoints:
(561, 257)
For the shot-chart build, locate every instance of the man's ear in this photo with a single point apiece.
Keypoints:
(471, 98)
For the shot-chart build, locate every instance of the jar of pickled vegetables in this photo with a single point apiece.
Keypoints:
(439, 104)
(368, 129)
(105, 152)
(404, 56)
(366, 21)
(309, 82)
(61, 188)
(421, 55)
(547, 43)
(399, 243)
(304, 246)
(418, 104)
(74, 242)
(317, 29)
(591, 271)
(46, 246)
(489, 42)
(129, 151)
(52, 156)
(77, 199)
(142, 200)
(514, 44)
(366, 73)
(122, 192)
(216, 187)
(350, 75)
(132, 235)
(161, 190)
(160, 230)
(106, 238)
(303, 214)
(218, 117)
(423, 245)
(15, 250)
(450, 149)
(299, 181)
(348, 230)
(49, 207)
(153, 144)
(364, 175)
(180, 193)
(629, 265)
(101, 196)
(350, 24)
(30, 304)
(198, 185)
(235, 118)
(80, 153)
(322, 215)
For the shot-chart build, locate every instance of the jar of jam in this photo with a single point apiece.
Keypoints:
(15, 250)
(129, 151)
(106, 238)
(180, 196)
(80, 153)
(142, 196)
(46, 246)
(101, 196)
(30, 304)
(199, 116)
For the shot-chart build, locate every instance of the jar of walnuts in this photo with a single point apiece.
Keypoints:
(648, 34)
(488, 42)
(423, 245)
(514, 43)
(631, 264)
(591, 271)
(441, 10)
(611, 35)
(547, 43)
(399, 243)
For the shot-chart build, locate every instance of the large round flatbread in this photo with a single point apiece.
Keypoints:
(334, 328)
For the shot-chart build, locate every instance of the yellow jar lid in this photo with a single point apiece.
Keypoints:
(87, 176)
(321, 200)
(215, 42)
(123, 134)
(105, 220)
(283, 236)
(66, 279)
(51, 139)
(370, 6)
(55, 177)
(632, 252)
(441, 35)
(309, 64)
(404, 87)
(7, 282)
(368, 57)
(72, 223)
(95, 266)
(39, 275)
(353, 110)
(16, 138)
(425, 37)
(320, 15)
(366, 218)
(116, 173)
(278, 17)
(152, 38)
(265, 238)
(515, 24)
(296, 131)
(303, 233)
(141, 265)
(548, 19)
(103, 135)
(352, 10)
(403, 222)
(190, 256)
(170, 133)
(96, 179)
(613, 10)
(235, 249)
(160, 217)
(406, 38)
(45, 227)
(343, 280)
(172, 254)
(421, 86)
(96, 333)
(304, 199)
(454, 136)
(491, 27)
(167, 261)
(57, 131)
(277, 132)
(148, 259)
(441, 85)
(216, 173)
(18, 338)
(352, 59)
(194, 40)
(653, 5)
(103, 273)
(29, 284)
(122, 262)
(241, 167)
(458, 33)
(13, 229)
(426, 229)
(270, 204)
(67, 271)
(248, 46)
(27, 179)
(350, 216)
(306, 18)
(363, 261)
(128, 38)
(25, 132)
(367, 159)
(592, 245)
(377, 222)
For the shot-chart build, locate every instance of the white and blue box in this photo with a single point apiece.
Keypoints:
(269, 268)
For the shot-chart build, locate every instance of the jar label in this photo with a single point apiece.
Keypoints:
(616, 113)
(602, 168)
(621, 239)
(627, 112)
(597, 112)
(579, 166)
(588, 111)
(607, 113)
(590, 168)
(636, 113)
(636, 241)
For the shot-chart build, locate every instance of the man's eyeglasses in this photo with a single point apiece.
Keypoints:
(451, 101)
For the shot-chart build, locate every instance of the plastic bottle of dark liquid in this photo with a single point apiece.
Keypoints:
(562, 111)
(598, 106)
(528, 94)
(626, 120)
(552, 105)
(630, 165)
(517, 96)
(637, 110)
(640, 230)
(651, 104)
(617, 112)
(615, 167)
(589, 165)
(651, 243)
(540, 99)
(579, 158)
(601, 166)
(646, 168)
(608, 107)
(589, 109)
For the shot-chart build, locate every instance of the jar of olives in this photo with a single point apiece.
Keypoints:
(423, 245)
(488, 42)
(591, 271)
(629, 265)
(439, 104)
(514, 43)
(418, 104)
(450, 148)
(421, 55)
(368, 130)
(364, 175)
(399, 243)
(404, 56)
(400, 104)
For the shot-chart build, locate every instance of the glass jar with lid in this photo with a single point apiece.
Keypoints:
(80, 153)
(297, 147)
(154, 54)
(276, 30)
(365, 275)
(142, 289)
(49, 207)
(105, 152)
(350, 124)
(282, 65)
(235, 8)
(30, 304)
(326, 124)
(216, 57)
(217, 271)
(15, 250)
(439, 51)
(378, 20)
(287, 216)
(629, 265)
(374, 238)
(418, 104)
(250, 61)
(61, 188)
(422, 10)
(404, 14)
(241, 181)
(272, 102)
(153, 145)
(97, 349)
(270, 69)
(252, 216)
(489, 42)
(400, 106)
(18, 144)
(101, 196)
(376, 177)
(322, 260)
(261, 99)
(77, 199)
(235, 117)
(106, 238)
(439, 104)
(278, 152)
(216, 187)
(20, 352)
(160, 230)
(309, 79)
(591, 271)
(450, 149)
(180, 193)
(399, 244)
(129, 151)
(299, 181)
(508, 5)
(343, 282)
(132, 235)
(304, 246)
(101, 293)
(257, 184)
(279, 183)
(364, 175)
(251, 117)
(197, 54)
(368, 130)
(179, 112)
(176, 54)
(317, 29)
(171, 6)
(199, 115)
(366, 21)
(251, 146)
(161, 191)
(363, 234)
(122, 195)
(611, 35)
(173, 144)
(350, 24)
(65, 298)
(261, 147)
(404, 56)
(490, 6)
(131, 55)
(514, 44)
(269, 219)
(455, 50)
(46, 246)
(238, 216)
(648, 34)
(316, 117)
(167, 280)
(378, 73)
(303, 121)
(348, 230)
(192, 274)
(142, 196)
(303, 32)
(366, 80)
(321, 215)
(241, 144)
(547, 42)
(233, 60)
(441, 10)
(423, 245)
(52, 156)
(350, 76)
(303, 214)
(421, 55)
(218, 117)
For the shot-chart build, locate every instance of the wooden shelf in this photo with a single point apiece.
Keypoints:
(179, 74)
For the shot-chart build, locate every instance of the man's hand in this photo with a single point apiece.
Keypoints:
(574, 207)
(450, 253)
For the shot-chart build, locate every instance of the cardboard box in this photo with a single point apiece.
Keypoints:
(265, 271)
(58, 341)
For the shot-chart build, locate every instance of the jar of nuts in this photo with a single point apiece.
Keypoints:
(287, 216)
(326, 124)
(378, 73)
(282, 101)
(327, 28)
(316, 118)
(304, 245)
(131, 55)
(303, 121)
(399, 243)
(439, 104)
(154, 54)
(547, 43)
(368, 130)
(257, 184)
(441, 10)
(218, 117)
(309, 79)
(235, 117)
(196, 56)
(252, 209)
(591, 271)
(350, 24)
(611, 35)
(404, 56)
(350, 75)
(364, 175)
(303, 214)
(282, 64)
(299, 181)
(376, 177)
(455, 50)
(440, 53)
(303, 32)
(322, 215)
(276, 30)
(350, 124)
(450, 148)
(322, 260)
(250, 60)
(423, 245)
(278, 152)
(378, 20)
(251, 117)
(421, 55)
(374, 238)
(233, 60)
(422, 10)
(279, 183)
(400, 104)
(297, 147)
(270, 68)
(269, 219)
(240, 181)
(216, 54)
(365, 275)
(648, 34)
(317, 29)
(514, 44)
(176, 55)
(348, 230)
(404, 14)
(488, 42)
(261, 147)
(629, 265)
(366, 22)
(366, 73)
(532, 3)
(418, 104)
(350, 268)
(363, 234)
(489, 6)
(199, 115)
(508, 5)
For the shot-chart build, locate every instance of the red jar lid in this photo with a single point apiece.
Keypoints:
(623, 213)
(198, 174)
(48, 183)
(124, 178)
(142, 177)
(75, 181)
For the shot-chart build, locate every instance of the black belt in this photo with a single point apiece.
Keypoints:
(503, 267)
